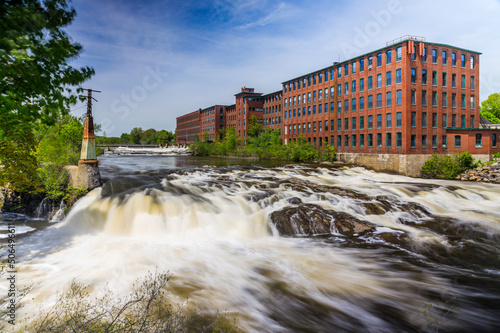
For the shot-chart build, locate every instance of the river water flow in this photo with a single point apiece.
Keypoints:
(207, 222)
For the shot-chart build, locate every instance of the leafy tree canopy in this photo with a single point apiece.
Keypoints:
(36, 82)
(490, 108)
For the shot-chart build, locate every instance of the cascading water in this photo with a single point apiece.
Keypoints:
(211, 228)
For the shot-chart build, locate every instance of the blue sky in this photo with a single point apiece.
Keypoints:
(156, 60)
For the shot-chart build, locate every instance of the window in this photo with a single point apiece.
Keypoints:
(346, 69)
(370, 102)
(434, 98)
(339, 141)
(445, 141)
(413, 141)
(320, 108)
(361, 140)
(388, 78)
(354, 140)
(326, 107)
(346, 140)
(494, 140)
(462, 118)
(388, 99)
(463, 60)
(379, 59)
(434, 141)
(413, 97)
(424, 57)
(326, 78)
(370, 62)
(370, 122)
(445, 99)
(346, 105)
(398, 53)
(379, 80)
(434, 120)
(339, 106)
(370, 83)
(424, 97)
(353, 123)
(424, 141)
(314, 127)
(353, 67)
(361, 65)
(444, 57)
(314, 96)
(362, 122)
(472, 83)
(434, 78)
(398, 75)
(346, 88)
(463, 101)
(309, 81)
(379, 139)
(339, 124)
(370, 140)
(453, 100)
(388, 57)
(379, 121)
(332, 125)
(361, 85)
(399, 139)
(388, 139)
(413, 75)
(320, 126)
(332, 73)
(388, 120)
(320, 94)
(458, 140)
(399, 119)
(308, 110)
(379, 100)
(361, 103)
(314, 109)
(472, 62)
(308, 127)
(332, 92)
(453, 80)
(309, 97)
(332, 107)
(353, 87)
(320, 77)
(399, 97)
(339, 90)
(424, 119)
(434, 56)
(414, 53)
(472, 121)
(453, 59)
(444, 79)
(454, 120)
(353, 104)
(413, 119)
(424, 76)
(314, 79)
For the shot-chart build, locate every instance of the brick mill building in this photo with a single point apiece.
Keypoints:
(388, 109)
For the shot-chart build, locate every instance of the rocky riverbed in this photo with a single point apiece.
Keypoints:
(487, 173)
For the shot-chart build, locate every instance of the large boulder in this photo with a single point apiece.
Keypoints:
(310, 219)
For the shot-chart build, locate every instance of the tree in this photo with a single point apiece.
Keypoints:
(254, 127)
(36, 82)
(136, 135)
(490, 108)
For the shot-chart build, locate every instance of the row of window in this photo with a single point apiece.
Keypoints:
(272, 109)
(352, 140)
(272, 121)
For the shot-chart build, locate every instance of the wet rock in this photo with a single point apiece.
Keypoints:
(309, 219)
(295, 201)
(372, 208)
(488, 174)
(330, 189)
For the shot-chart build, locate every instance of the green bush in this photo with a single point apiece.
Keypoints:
(465, 161)
(441, 166)
(54, 180)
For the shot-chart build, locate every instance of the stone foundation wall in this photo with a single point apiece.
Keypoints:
(407, 165)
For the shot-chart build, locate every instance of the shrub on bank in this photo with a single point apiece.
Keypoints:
(447, 166)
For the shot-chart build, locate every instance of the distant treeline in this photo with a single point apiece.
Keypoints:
(138, 136)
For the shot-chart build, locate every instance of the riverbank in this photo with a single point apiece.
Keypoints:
(487, 173)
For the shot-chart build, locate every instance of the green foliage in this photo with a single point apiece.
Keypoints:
(145, 309)
(446, 166)
(490, 108)
(136, 135)
(54, 179)
(36, 82)
(465, 161)
(267, 145)
(254, 127)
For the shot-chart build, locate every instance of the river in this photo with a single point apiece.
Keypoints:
(207, 222)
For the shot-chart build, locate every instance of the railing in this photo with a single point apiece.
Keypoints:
(406, 37)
